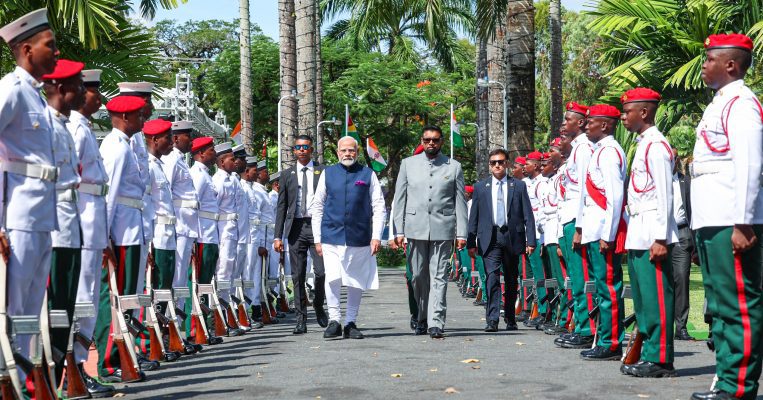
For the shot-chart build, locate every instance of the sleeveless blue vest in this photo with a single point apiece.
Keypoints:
(347, 210)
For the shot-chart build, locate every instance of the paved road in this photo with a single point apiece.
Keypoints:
(391, 363)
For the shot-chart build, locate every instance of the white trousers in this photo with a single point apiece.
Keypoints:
(241, 250)
(333, 301)
(226, 263)
(182, 261)
(88, 291)
(28, 272)
(253, 272)
(140, 287)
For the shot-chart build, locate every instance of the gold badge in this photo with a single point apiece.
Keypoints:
(625, 97)
(35, 124)
(446, 177)
(707, 42)
(317, 172)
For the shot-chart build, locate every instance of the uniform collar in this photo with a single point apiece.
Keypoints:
(605, 140)
(730, 88)
(259, 185)
(57, 115)
(120, 134)
(651, 132)
(22, 74)
(578, 139)
(201, 166)
(151, 157)
(75, 116)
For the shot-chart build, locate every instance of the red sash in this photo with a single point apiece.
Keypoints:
(598, 197)
(597, 194)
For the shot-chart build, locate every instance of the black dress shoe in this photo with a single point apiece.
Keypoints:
(321, 317)
(600, 353)
(146, 364)
(554, 330)
(435, 333)
(95, 389)
(492, 326)
(511, 326)
(213, 340)
(532, 323)
(257, 325)
(351, 331)
(523, 316)
(280, 314)
(256, 314)
(479, 302)
(421, 328)
(577, 342)
(334, 331)
(301, 326)
(414, 323)
(649, 369)
(190, 348)
(116, 377)
(627, 369)
(712, 395)
(235, 332)
(171, 356)
(683, 334)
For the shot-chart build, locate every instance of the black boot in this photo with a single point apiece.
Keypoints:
(301, 327)
(95, 389)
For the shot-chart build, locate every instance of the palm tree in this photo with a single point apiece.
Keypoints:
(305, 31)
(246, 76)
(288, 62)
(398, 26)
(555, 29)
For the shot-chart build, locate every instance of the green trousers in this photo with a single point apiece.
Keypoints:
(539, 273)
(126, 270)
(551, 258)
(206, 256)
(733, 290)
(608, 274)
(525, 272)
(653, 300)
(479, 268)
(62, 293)
(161, 278)
(579, 272)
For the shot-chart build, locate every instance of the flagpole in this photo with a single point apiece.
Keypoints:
(452, 117)
(346, 119)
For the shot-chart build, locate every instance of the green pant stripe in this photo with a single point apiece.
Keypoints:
(608, 274)
(651, 280)
(577, 270)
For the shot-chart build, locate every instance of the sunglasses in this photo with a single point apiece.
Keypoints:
(301, 147)
(497, 162)
(431, 140)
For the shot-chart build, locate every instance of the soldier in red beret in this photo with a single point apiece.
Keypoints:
(727, 215)
(518, 169)
(536, 270)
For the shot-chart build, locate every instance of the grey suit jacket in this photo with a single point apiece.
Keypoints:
(429, 199)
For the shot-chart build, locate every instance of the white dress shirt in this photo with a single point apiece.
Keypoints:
(726, 178)
(125, 224)
(207, 195)
(26, 135)
(494, 192)
(161, 199)
(607, 172)
(242, 203)
(650, 193)
(92, 208)
(181, 184)
(310, 192)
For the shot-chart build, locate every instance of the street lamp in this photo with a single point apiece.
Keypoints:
(295, 96)
(486, 82)
(332, 121)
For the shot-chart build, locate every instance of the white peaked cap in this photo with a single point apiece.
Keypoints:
(222, 148)
(91, 75)
(135, 87)
(25, 26)
(182, 125)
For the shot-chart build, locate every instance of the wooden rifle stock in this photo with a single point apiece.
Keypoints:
(127, 359)
(199, 335)
(6, 389)
(75, 382)
(479, 295)
(534, 313)
(219, 323)
(243, 318)
(155, 354)
(635, 342)
(176, 342)
(42, 389)
(265, 314)
(129, 372)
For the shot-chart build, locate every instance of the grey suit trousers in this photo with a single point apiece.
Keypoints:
(429, 260)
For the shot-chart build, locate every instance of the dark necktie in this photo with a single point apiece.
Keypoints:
(303, 196)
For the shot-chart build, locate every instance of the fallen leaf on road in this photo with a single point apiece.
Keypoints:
(315, 347)
(375, 354)
(520, 344)
(501, 374)
(470, 361)
(119, 395)
(433, 370)
(451, 390)
(396, 375)
(468, 340)
(476, 367)
(643, 396)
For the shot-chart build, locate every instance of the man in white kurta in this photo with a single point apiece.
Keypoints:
(347, 221)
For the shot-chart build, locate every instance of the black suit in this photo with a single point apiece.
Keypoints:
(300, 236)
(681, 257)
(501, 246)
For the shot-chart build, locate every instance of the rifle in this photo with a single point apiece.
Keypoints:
(283, 303)
(593, 315)
(156, 344)
(46, 323)
(76, 388)
(531, 297)
(122, 338)
(268, 311)
(243, 317)
(632, 352)
(551, 285)
(230, 312)
(9, 377)
(35, 366)
(210, 289)
(198, 322)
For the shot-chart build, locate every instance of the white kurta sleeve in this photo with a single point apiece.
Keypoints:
(378, 207)
(745, 135)
(316, 208)
(660, 163)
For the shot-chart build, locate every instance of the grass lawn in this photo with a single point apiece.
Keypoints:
(696, 324)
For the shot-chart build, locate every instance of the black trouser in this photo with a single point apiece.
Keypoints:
(681, 259)
(300, 241)
(497, 258)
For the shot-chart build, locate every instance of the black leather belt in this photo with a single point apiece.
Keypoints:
(502, 229)
(683, 226)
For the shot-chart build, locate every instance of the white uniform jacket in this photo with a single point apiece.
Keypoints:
(138, 145)
(161, 201)
(68, 233)
(225, 187)
(253, 205)
(726, 172)
(184, 198)
(650, 193)
(26, 136)
(534, 187)
(242, 203)
(549, 208)
(606, 171)
(208, 208)
(126, 189)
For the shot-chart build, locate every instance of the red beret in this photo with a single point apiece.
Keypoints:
(64, 69)
(604, 110)
(546, 156)
(576, 108)
(419, 150)
(729, 41)
(156, 127)
(520, 160)
(556, 142)
(125, 104)
(535, 156)
(469, 189)
(200, 143)
(640, 95)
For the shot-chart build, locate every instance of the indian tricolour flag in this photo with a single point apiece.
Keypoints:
(455, 130)
(377, 161)
(236, 135)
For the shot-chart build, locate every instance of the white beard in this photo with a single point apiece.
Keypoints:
(348, 162)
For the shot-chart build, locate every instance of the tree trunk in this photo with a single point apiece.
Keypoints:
(305, 35)
(319, 136)
(288, 60)
(520, 45)
(496, 71)
(483, 117)
(555, 28)
(245, 90)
